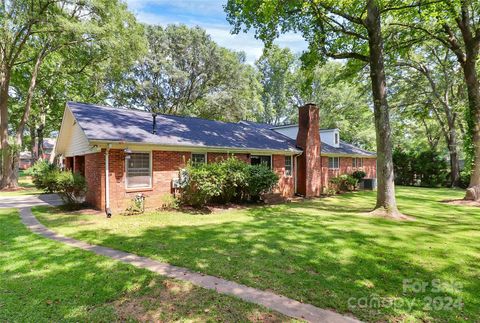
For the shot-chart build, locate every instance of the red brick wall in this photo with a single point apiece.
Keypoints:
(79, 164)
(308, 138)
(369, 167)
(68, 163)
(165, 167)
(216, 157)
(243, 157)
(95, 178)
(286, 184)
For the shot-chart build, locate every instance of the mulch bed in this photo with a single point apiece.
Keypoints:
(462, 202)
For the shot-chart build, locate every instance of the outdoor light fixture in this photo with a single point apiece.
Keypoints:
(127, 151)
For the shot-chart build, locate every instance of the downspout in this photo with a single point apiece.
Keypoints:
(108, 212)
(296, 174)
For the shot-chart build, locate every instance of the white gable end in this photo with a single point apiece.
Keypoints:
(328, 136)
(71, 139)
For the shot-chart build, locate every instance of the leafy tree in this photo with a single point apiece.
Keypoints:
(432, 88)
(455, 25)
(276, 69)
(342, 30)
(100, 31)
(342, 101)
(186, 73)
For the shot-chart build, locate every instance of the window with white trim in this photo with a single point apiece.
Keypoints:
(199, 159)
(336, 139)
(261, 160)
(357, 162)
(333, 162)
(138, 170)
(288, 165)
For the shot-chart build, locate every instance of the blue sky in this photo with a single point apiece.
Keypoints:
(209, 15)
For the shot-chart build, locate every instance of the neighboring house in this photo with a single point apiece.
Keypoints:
(142, 153)
(26, 160)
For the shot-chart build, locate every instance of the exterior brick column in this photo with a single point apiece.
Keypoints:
(309, 164)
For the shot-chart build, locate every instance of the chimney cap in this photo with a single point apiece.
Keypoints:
(308, 104)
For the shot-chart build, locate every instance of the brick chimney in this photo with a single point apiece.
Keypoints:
(309, 164)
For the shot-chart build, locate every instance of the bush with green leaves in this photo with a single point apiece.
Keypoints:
(420, 168)
(261, 179)
(343, 183)
(71, 187)
(230, 180)
(359, 175)
(43, 175)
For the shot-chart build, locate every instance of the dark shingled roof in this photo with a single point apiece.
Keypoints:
(343, 149)
(115, 124)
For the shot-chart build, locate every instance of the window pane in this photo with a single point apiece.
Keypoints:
(288, 165)
(258, 160)
(333, 162)
(354, 162)
(198, 159)
(138, 170)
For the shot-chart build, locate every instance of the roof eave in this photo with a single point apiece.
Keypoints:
(192, 147)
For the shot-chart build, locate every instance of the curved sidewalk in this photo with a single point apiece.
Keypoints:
(269, 300)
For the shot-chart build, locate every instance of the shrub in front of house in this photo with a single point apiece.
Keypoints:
(230, 180)
(359, 175)
(343, 183)
(71, 187)
(43, 175)
(261, 179)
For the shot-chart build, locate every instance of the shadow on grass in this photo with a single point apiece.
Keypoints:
(44, 281)
(321, 253)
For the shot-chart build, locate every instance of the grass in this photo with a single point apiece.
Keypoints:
(326, 252)
(46, 281)
(26, 187)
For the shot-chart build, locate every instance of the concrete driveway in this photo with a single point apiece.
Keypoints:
(23, 201)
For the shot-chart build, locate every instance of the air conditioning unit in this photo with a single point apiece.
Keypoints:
(369, 184)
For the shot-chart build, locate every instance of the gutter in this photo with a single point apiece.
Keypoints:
(108, 212)
(174, 147)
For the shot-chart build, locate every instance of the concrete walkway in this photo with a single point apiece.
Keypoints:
(270, 300)
(29, 200)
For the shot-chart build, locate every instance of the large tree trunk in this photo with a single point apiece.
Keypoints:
(452, 148)
(473, 90)
(33, 141)
(40, 136)
(9, 179)
(386, 203)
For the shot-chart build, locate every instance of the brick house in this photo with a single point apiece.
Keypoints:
(142, 153)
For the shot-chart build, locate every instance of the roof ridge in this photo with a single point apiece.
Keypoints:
(158, 114)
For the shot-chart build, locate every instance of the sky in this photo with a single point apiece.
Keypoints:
(209, 15)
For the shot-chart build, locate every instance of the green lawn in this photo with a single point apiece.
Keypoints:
(26, 187)
(326, 252)
(45, 281)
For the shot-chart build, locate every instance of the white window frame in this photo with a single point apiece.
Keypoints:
(271, 159)
(150, 167)
(357, 162)
(291, 166)
(338, 162)
(195, 153)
